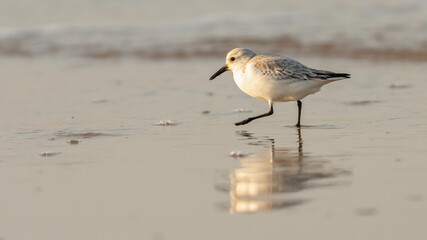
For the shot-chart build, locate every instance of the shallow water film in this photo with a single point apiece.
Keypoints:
(111, 129)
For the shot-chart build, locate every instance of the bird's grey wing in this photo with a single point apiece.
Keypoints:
(282, 68)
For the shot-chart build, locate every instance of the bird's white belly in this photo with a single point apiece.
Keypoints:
(270, 89)
(252, 86)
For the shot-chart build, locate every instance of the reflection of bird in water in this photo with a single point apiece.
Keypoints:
(264, 177)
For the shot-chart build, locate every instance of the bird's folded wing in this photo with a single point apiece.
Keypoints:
(283, 68)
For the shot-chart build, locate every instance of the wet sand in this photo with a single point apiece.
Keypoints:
(356, 167)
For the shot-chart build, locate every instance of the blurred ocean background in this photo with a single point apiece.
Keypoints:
(100, 29)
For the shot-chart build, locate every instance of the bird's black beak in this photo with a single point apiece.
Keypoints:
(219, 72)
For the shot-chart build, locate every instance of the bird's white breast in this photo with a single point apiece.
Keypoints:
(251, 84)
(269, 87)
(261, 86)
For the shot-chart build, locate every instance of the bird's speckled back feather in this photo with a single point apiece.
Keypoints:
(287, 69)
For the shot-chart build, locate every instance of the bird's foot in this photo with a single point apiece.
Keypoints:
(246, 121)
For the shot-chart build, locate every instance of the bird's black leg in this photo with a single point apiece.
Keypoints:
(248, 120)
(299, 103)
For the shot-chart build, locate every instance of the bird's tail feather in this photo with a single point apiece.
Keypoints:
(331, 75)
(337, 76)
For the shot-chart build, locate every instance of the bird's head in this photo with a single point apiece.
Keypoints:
(235, 60)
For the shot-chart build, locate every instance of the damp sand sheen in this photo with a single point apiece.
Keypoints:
(114, 135)
(345, 170)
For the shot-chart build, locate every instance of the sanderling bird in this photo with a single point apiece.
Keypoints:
(274, 78)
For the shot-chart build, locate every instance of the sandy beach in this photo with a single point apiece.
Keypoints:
(357, 164)
(128, 144)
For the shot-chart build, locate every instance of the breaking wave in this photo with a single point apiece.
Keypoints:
(210, 37)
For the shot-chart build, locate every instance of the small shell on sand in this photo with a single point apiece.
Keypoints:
(241, 110)
(48, 154)
(166, 123)
(238, 154)
(73, 141)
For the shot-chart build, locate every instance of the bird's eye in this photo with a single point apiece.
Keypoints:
(232, 58)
